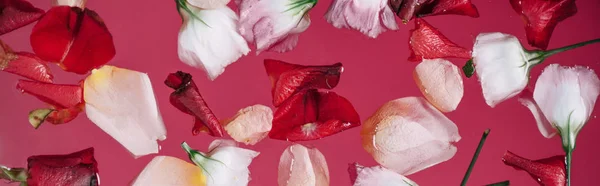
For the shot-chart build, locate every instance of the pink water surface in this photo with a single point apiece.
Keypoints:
(375, 71)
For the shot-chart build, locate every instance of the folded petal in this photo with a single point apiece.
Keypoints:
(250, 124)
(73, 3)
(376, 176)
(78, 168)
(547, 172)
(300, 166)
(408, 134)
(24, 64)
(541, 17)
(311, 115)
(58, 96)
(209, 39)
(288, 79)
(566, 96)
(187, 99)
(426, 42)
(166, 170)
(274, 25)
(369, 17)
(545, 127)
(209, 4)
(15, 14)
(121, 102)
(77, 39)
(440, 82)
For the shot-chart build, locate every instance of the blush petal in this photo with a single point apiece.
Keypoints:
(376, 176)
(299, 165)
(440, 82)
(426, 42)
(250, 124)
(548, 171)
(166, 170)
(15, 14)
(371, 17)
(541, 17)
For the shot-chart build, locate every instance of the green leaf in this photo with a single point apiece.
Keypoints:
(504, 183)
(469, 68)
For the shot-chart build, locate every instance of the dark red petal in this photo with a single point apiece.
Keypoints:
(15, 14)
(353, 170)
(443, 7)
(541, 16)
(310, 115)
(79, 168)
(548, 171)
(76, 39)
(288, 79)
(187, 99)
(59, 96)
(407, 9)
(426, 42)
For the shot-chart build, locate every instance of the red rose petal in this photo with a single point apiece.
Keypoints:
(310, 115)
(62, 116)
(24, 64)
(288, 79)
(541, 16)
(15, 14)
(76, 39)
(59, 96)
(79, 168)
(426, 42)
(548, 171)
(187, 99)
(443, 7)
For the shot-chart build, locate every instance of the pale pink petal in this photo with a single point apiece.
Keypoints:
(543, 124)
(408, 135)
(73, 3)
(250, 124)
(170, 171)
(440, 82)
(209, 4)
(371, 17)
(301, 166)
(378, 176)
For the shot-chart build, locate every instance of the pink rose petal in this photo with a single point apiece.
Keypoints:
(300, 166)
(250, 124)
(440, 82)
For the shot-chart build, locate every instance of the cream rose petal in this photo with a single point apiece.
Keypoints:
(209, 40)
(408, 135)
(250, 124)
(209, 4)
(121, 102)
(73, 3)
(440, 82)
(371, 17)
(566, 96)
(170, 171)
(379, 176)
(228, 164)
(301, 166)
(543, 124)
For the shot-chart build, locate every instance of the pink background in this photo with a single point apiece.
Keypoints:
(376, 71)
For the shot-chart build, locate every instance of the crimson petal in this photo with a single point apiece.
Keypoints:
(311, 115)
(426, 42)
(548, 171)
(408, 9)
(187, 99)
(59, 96)
(24, 64)
(541, 16)
(77, 39)
(288, 79)
(15, 14)
(79, 168)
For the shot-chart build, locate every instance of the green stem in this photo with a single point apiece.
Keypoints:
(568, 166)
(548, 53)
(13, 174)
(479, 147)
(504, 183)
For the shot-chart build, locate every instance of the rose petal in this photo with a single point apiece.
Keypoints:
(299, 165)
(250, 124)
(444, 7)
(209, 4)
(187, 99)
(166, 170)
(548, 171)
(75, 38)
(371, 17)
(59, 116)
(408, 135)
(440, 82)
(73, 3)
(78, 168)
(311, 115)
(15, 14)
(376, 176)
(24, 64)
(426, 42)
(541, 17)
(545, 127)
(59, 96)
(121, 102)
(288, 79)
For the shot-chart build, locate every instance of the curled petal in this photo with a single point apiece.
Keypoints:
(121, 102)
(299, 165)
(426, 42)
(311, 115)
(73, 3)
(15, 14)
(24, 64)
(376, 176)
(78, 168)
(76, 39)
(369, 17)
(187, 99)
(547, 172)
(541, 17)
(250, 124)
(58, 96)
(166, 170)
(288, 79)
(440, 82)
(545, 127)
(408, 135)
